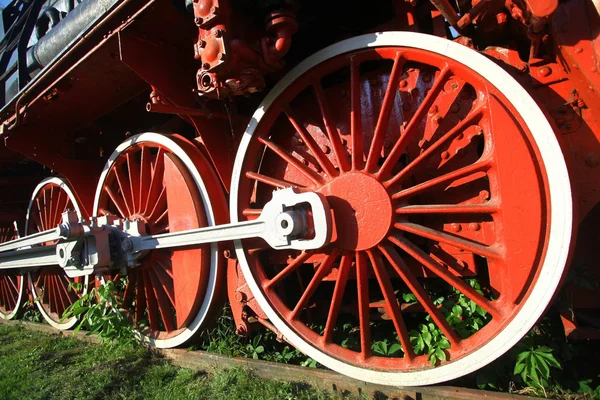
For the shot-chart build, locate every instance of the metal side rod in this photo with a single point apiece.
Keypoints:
(29, 258)
(51, 235)
(282, 224)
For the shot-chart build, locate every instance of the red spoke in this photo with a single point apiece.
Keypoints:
(37, 281)
(298, 261)
(47, 221)
(145, 177)
(51, 204)
(451, 134)
(293, 161)
(429, 263)
(166, 281)
(140, 298)
(3, 296)
(392, 306)
(164, 304)
(420, 293)
(332, 132)
(151, 305)
(125, 189)
(442, 237)
(271, 181)
(134, 181)
(41, 218)
(314, 283)
(338, 295)
(61, 203)
(160, 206)
(355, 116)
(166, 267)
(13, 284)
(384, 114)
(60, 305)
(362, 285)
(449, 209)
(312, 145)
(156, 184)
(118, 202)
(413, 124)
(480, 166)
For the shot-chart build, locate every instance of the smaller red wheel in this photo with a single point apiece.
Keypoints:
(165, 182)
(11, 282)
(53, 291)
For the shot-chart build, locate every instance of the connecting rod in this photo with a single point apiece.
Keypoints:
(290, 220)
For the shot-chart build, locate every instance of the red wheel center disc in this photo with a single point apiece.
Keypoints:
(362, 210)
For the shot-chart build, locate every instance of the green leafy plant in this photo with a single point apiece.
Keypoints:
(254, 348)
(99, 312)
(31, 313)
(533, 365)
(384, 348)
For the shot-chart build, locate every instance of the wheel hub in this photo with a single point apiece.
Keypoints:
(362, 210)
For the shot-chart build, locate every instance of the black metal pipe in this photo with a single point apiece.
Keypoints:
(51, 44)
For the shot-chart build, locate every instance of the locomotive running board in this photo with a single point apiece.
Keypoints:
(290, 220)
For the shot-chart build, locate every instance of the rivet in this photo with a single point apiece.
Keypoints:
(474, 226)
(455, 227)
(578, 50)
(484, 195)
(445, 155)
(326, 149)
(403, 83)
(544, 71)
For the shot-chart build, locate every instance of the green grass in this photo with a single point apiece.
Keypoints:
(36, 365)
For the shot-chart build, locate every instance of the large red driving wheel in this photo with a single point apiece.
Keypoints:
(167, 184)
(53, 291)
(451, 207)
(11, 282)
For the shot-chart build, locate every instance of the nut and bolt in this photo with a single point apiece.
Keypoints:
(239, 297)
(219, 33)
(198, 21)
(126, 245)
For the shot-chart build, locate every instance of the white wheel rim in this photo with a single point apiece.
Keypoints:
(561, 217)
(68, 324)
(163, 140)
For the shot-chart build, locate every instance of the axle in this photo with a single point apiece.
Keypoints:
(290, 220)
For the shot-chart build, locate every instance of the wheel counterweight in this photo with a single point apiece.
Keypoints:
(165, 182)
(11, 283)
(53, 291)
(450, 199)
